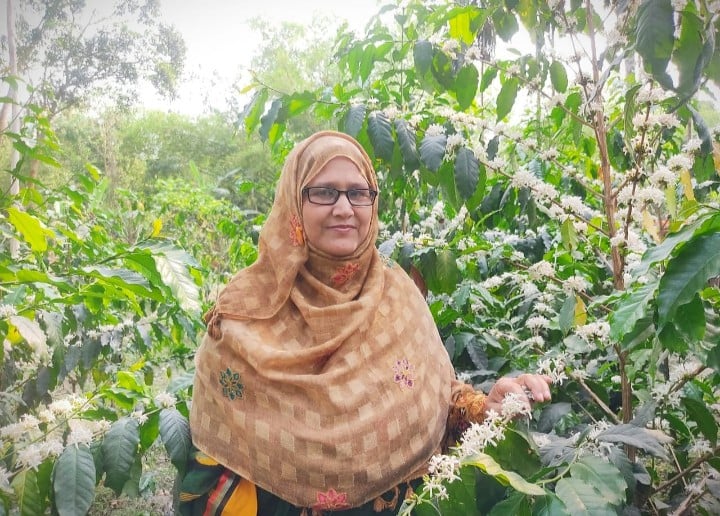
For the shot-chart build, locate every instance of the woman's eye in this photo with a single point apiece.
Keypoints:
(325, 193)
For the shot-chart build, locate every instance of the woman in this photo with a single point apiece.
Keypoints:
(322, 383)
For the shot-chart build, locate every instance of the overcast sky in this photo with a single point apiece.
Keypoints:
(220, 43)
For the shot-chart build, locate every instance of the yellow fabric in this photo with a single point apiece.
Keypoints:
(323, 381)
(242, 501)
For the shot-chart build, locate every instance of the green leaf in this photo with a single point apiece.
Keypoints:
(648, 440)
(432, 151)
(488, 77)
(299, 102)
(549, 505)
(506, 97)
(171, 263)
(408, 145)
(175, 434)
(569, 235)
(423, 55)
(507, 478)
(460, 26)
(566, 317)
(442, 70)
(30, 331)
(32, 230)
(690, 54)
(467, 172)
(380, 132)
(74, 481)
(690, 319)
(515, 452)
(354, 119)
(269, 118)
(119, 448)
(677, 240)
(447, 271)
(505, 24)
(516, 504)
(466, 86)
(123, 278)
(251, 114)
(27, 493)
(558, 76)
(687, 274)
(602, 475)
(582, 499)
(699, 412)
(655, 38)
(632, 308)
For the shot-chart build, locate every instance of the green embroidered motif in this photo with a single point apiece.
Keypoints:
(231, 385)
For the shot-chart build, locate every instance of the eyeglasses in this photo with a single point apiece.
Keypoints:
(327, 196)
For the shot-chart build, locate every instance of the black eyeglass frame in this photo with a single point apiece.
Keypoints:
(307, 189)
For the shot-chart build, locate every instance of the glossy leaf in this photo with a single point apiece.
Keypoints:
(29, 330)
(119, 448)
(74, 481)
(354, 119)
(703, 418)
(432, 151)
(690, 319)
(467, 172)
(632, 307)
(604, 476)
(558, 76)
(654, 38)
(466, 86)
(460, 26)
(268, 119)
(172, 265)
(508, 478)
(447, 272)
(253, 110)
(423, 55)
(687, 274)
(381, 137)
(691, 53)
(506, 98)
(675, 240)
(175, 434)
(27, 493)
(582, 499)
(407, 143)
(650, 441)
(32, 230)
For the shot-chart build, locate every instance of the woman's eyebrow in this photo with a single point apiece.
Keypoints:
(352, 186)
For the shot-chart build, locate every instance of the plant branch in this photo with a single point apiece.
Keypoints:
(687, 470)
(595, 397)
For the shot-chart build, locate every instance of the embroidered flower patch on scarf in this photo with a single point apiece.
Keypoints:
(404, 373)
(331, 500)
(231, 386)
(296, 232)
(344, 273)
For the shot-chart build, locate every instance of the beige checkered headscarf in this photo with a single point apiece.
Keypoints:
(323, 381)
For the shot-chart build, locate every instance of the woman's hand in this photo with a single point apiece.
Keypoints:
(528, 387)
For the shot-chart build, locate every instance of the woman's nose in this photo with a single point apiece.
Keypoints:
(342, 205)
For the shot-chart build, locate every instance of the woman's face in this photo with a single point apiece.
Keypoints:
(337, 229)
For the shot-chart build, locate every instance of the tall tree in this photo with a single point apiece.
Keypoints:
(70, 52)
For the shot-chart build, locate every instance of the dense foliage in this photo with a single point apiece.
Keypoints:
(561, 205)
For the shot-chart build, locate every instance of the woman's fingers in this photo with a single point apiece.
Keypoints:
(536, 385)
